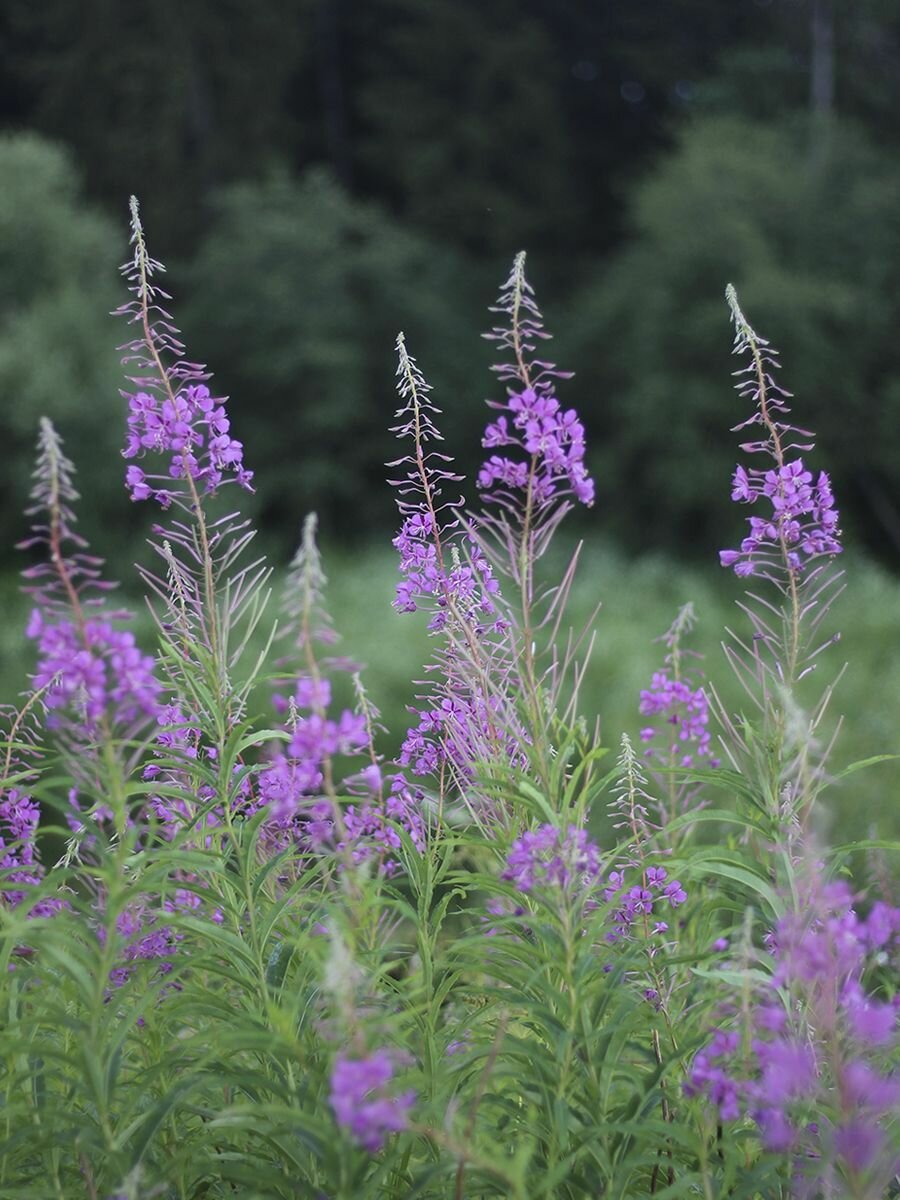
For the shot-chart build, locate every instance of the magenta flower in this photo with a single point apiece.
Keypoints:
(802, 524)
(818, 1053)
(547, 857)
(552, 438)
(192, 428)
(547, 441)
(171, 411)
(362, 1102)
(685, 709)
(93, 671)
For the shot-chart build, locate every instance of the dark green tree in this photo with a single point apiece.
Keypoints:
(58, 283)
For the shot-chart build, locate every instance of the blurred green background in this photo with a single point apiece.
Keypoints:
(319, 174)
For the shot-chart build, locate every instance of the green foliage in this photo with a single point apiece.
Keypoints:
(814, 248)
(58, 284)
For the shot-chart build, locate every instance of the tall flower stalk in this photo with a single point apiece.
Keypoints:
(172, 413)
(530, 485)
(99, 689)
(789, 549)
(467, 723)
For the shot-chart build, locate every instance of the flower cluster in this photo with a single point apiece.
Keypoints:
(810, 1074)
(803, 524)
(191, 426)
(569, 862)
(362, 1102)
(458, 730)
(686, 709)
(19, 817)
(177, 746)
(93, 670)
(146, 940)
(547, 857)
(551, 437)
(89, 668)
(171, 411)
(532, 421)
(372, 829)
(467, 584)
(634, 905)
(437, 568)
(291, 778)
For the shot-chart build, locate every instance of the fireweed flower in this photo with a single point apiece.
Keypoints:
(93, 670)
(191, 428)
(171, 411)
(552, 860)
(90, 671)
(683, 707)
(636, 906)
(811, 1072)
(296, 787)
(542, 444)
(547, 857)
(437, 570)
(468, 717)
(19, 817)
(361, 1100)
(800, 522)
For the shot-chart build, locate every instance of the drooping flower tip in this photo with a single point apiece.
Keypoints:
(362, 1102)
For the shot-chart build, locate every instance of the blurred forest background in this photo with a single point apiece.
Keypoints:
(319, 174)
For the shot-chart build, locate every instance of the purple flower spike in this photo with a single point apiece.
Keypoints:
(547, 440)
(171, 411)
(361, 1100)
(814, 1055)
(802, 522)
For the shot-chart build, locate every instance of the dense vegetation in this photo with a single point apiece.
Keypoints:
(528, 955)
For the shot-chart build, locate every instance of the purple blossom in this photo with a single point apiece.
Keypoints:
(93, 670)
(553, 439)
(818, 1052)
(634, 905)
(547, 441)
(547, 857)
(372, 829)
(361, 1100)
(802, 524)
(89, 668)
(192, 428)
(19, 818)
(441, 569)
(171, 412)
(683, 707)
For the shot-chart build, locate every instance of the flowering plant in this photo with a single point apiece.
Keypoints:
(246, 952)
